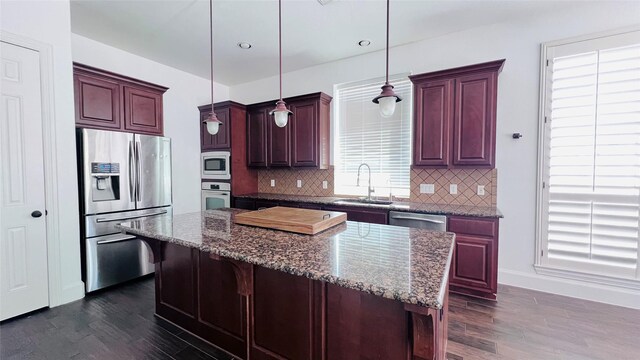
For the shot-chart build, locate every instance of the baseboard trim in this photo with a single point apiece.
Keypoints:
(572, 288)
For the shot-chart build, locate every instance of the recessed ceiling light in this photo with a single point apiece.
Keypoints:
(364, 43)
(244, 45)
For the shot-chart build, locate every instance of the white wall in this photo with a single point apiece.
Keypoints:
(49, 22)
(186, 92)
(519, 43)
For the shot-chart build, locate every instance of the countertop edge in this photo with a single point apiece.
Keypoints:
(367, 288)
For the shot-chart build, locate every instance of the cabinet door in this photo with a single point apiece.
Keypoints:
(97, 102)
(278, 144)
(142, 110)
(221, 140)
(176, 284)
(473, 262)
(265, 204)
(304, 134)
(362, 215)
(433, 113)
(257, 137)
(474, 120)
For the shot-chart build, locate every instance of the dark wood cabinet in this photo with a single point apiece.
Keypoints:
(104, 100)
(455, 116)
(142, 110)
(304, 142)
(265, 204)
(242, 203)
(373, 216)
(475, 120)
(433, 113)
(221, 140)
(97, 102)
(278, 144)
(474, 268)
(257, 118)
(174, 277)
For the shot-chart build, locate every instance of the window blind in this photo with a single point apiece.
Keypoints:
(364, 136)
(592, 159)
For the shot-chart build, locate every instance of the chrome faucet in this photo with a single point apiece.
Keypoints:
(370, 189)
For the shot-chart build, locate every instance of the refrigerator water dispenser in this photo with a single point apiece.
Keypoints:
(105, 181)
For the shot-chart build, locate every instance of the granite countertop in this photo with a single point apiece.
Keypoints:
(405, 264)
(407, 206)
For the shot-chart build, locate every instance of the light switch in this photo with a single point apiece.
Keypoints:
(427, 189)
(325, 184)
(453, 189)
(273, 183)
(299, 183)
(481, 190)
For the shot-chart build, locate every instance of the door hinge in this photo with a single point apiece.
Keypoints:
(547, 62)
(544, 184)
(541, 253)
(545, 119)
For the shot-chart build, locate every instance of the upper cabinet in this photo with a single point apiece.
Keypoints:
(455, 116)
(304, 142)
(221, 140)
(104, 100)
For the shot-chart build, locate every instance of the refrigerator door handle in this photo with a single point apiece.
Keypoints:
(131, 172)
(138, 170)
(101, 220)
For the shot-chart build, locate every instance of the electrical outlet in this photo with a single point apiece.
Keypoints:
(325, 184)
(273, 183)
(453, 189)
(481, 190)
(299, 183)
(427, 188)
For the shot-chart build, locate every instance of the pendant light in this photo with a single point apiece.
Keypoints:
(280, 112)
(387, 98)
(213, 124)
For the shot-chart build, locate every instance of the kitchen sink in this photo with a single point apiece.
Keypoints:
(363, 201)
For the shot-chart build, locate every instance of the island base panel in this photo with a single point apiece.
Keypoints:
(258, 313)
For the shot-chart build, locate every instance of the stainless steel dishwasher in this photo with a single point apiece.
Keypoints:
(420, 221)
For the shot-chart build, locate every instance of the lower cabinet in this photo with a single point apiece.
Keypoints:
(200, 294)
(474, 268)
(372, 216)
(246, 204)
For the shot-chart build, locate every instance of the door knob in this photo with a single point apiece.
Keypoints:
(36, 214)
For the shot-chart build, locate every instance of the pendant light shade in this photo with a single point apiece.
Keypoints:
(387, 98)
(280, 112)
(213, 124)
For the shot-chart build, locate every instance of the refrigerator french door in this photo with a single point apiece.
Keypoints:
(124, 176)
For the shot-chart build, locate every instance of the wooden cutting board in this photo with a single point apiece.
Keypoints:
(303, 221)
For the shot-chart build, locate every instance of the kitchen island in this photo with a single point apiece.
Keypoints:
(355, 291)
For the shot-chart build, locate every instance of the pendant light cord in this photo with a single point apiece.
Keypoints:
(280, 42)
(387, 75)
(211, 44)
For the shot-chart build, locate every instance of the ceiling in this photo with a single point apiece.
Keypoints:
(176, 33)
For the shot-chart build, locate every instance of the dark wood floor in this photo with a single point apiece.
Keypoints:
(523, 324)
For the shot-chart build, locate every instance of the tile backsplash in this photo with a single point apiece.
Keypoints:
(467, 181)
(286, 179)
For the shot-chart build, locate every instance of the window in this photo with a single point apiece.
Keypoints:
(363, 136)
(589, 219)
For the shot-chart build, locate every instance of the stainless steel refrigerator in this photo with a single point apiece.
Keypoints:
(123, 176)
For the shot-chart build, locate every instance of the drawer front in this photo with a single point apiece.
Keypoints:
(362, 215)
(265, 204)
(247, 204)
(473, 226)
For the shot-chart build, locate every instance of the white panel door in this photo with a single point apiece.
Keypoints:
(23, 242)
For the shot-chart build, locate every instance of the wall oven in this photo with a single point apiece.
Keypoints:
(216, 165)
(215, 195)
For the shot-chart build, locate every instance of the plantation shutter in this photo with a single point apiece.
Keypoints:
(592, 156)
(364, 136)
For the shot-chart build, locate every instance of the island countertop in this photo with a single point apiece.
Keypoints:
(404, 264)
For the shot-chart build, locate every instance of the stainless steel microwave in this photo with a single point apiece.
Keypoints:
(216, 165)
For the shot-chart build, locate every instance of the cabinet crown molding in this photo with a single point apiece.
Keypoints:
(86, 69)
(222, 104)
(463, 70)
